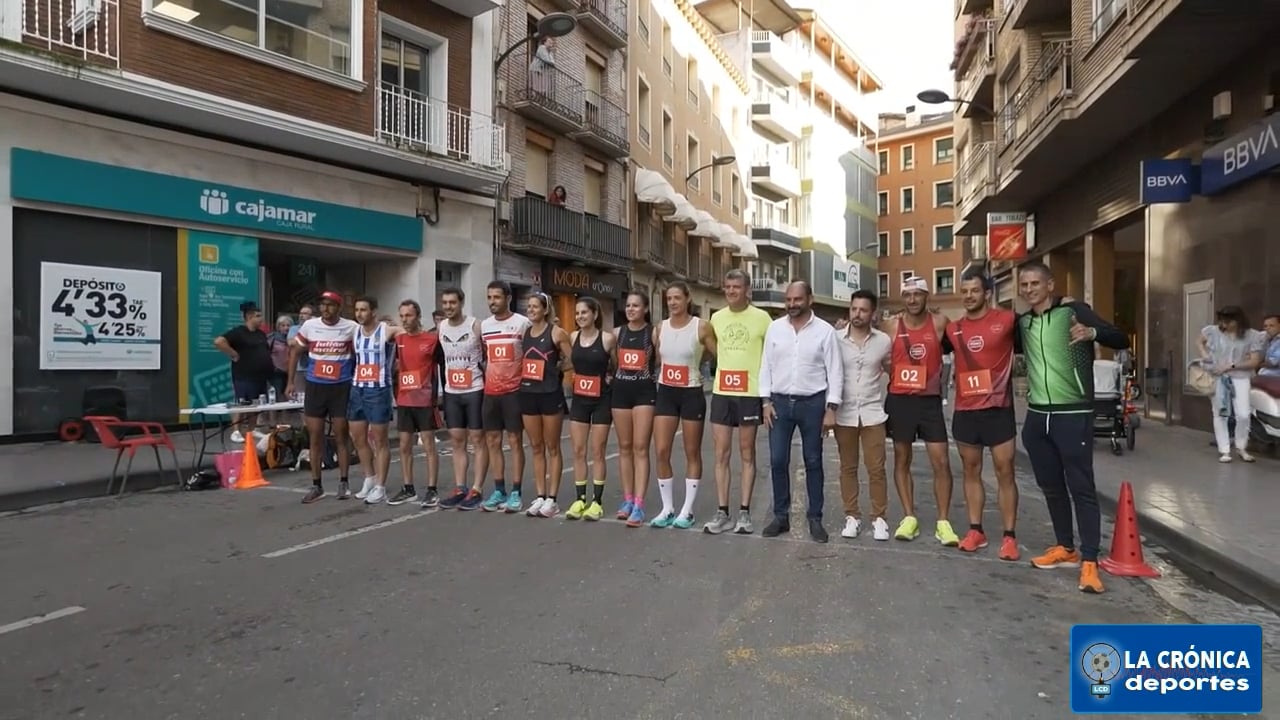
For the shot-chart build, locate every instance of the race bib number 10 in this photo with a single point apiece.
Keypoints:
(733, 381)
(326, 370)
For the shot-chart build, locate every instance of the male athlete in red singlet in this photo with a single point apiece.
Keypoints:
(419, 379)
(914, 405)
(984, 341)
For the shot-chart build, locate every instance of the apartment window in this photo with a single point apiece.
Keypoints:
(884, 162)
(943, 194)
(642, 20)
(943, 238)
(593, 188)
(735, 193)
(944, 150)
(537, 169)
(314, 36)
(882, 284)
(693, 160)
(1105, 14)
(405, 90)
(644, 108)
(692, 75)
(882, 244)
(666, 49)
(905, 275)
(908, 157)
(668, 141)
(908, 242)
(908, 199)
(715, 101)
(593, 87)
(717, 182)
(882, 202)
(944, 280)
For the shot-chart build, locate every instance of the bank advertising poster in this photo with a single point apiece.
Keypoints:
(1157, 669)
(99, 318)
(216, 273)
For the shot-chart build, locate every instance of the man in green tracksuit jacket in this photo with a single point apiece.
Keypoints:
(1057, 340)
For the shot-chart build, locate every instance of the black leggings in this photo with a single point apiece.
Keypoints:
(1060, 446)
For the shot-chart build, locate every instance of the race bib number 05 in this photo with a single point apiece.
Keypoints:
(733, 381)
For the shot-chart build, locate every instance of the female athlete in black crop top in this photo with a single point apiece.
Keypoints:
(635, 392)
(541, 398)
(593, 359)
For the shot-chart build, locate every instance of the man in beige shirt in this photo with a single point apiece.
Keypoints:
(860, 419)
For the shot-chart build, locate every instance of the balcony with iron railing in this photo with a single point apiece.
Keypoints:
(705, 274)
(767, 291)
(778, 236)
(975, 182)
(652, 246)
(1021, 14)
(606, 19)
(977, 81)
(680, 259)
(972, 7)
(556, 230)
(776, 56)
(773, 176)
(547, 95)
(415, 122)
(604, 125)
(88, 31)
(840, 89)
(774, 114)
(1039, 98)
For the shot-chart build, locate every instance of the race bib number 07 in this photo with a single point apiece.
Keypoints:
(586, 386)
(733, 381)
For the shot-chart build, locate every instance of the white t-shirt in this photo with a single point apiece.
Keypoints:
(331, 348)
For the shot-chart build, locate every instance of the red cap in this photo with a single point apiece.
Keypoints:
(331, 296)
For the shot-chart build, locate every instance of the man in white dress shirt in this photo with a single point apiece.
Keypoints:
(860, 421)
(801, 382)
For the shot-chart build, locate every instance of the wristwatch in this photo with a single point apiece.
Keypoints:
(832, 407)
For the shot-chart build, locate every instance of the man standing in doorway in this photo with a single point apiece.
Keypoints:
(503, 337)
(735, 397)
(914, 405)
(328, 341)
(860, 420)
(984, 341)
(801, 382)
(369, 411)
(1058, 344)
(463, 399)
(419, 375)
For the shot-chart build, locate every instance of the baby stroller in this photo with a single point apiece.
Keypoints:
(1115, 387)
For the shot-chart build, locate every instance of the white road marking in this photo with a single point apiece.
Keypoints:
(38, 619)
(344, 535)
(281, 488)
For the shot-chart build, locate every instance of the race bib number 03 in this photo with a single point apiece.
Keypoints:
(410, 380)
(733, 381)
(677, 375)
(909, 377)
(974, 383)
(633, 360)
(460, 379)
(368, 372)
(326, 370)
(534, 369)
(500, 353)
(586, 386)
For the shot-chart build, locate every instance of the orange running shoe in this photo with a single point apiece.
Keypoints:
(1056, 557)
(973, 541)
(1009, 549)
(1090, 582)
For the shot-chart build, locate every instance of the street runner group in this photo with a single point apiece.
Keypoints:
(499, 380)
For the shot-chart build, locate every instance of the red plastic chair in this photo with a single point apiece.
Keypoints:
(153, 435)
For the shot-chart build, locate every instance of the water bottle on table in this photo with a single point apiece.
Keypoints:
(271, 395)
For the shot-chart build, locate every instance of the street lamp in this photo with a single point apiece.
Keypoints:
(553, 25)
(718, 162)
(938, 97)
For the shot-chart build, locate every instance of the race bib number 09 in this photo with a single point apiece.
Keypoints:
(633, 360)
(733, 381)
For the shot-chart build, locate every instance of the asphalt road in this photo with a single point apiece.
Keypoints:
(247, 604)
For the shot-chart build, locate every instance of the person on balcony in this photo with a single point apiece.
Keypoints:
(542, 67)
(559, 196)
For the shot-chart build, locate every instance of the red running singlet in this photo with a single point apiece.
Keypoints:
(917, 360)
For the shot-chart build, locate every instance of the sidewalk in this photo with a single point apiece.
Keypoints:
(1219, 516)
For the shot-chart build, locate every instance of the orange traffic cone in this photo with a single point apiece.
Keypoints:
(250, 472)
(1125, 559)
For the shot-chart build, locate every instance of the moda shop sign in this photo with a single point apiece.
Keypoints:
(57, 179)
(581, 281)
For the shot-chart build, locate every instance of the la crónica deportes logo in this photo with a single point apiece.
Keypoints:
(1166, 668)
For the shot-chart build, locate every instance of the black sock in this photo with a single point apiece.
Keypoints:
(598, 492)
(410, 489)
(724, 509)
(581, 490)
(500, 485)
(316, 482)
(744, 508)
(342, 479)
(1010, 534)
(975, 526)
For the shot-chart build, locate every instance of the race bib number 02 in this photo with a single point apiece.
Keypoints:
(586, 386)
(974, 383)
(326, 370)
(633, 360)
(460, 379)
(410, 380)
(733, 381)
(677, 375)
(909, 377)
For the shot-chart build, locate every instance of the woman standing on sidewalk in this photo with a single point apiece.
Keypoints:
(634, 394)
(541, 398)
(1231, 351)
(592, 354)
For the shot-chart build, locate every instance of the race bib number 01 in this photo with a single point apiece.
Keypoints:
(410, 380)
(633, 360)
(677, 375)
(326, 370)
(460, 379)
(974, 383)
(534, 369)
(586, 386)
(733, 381)
(909, 377)
(500, 353)
(368, 372)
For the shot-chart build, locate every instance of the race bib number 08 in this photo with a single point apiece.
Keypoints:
(410, 380)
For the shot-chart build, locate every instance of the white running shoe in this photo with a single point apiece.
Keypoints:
(535, 507)
(880, 529)
(369, 484)
(376, 495)
(852, 526)
(549, 508)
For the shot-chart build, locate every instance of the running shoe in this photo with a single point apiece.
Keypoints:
(430, 499)
(405, 495)
(535, 507)
(684, 522)
(637, 517)
(908, 529)
(1009, 549)
(1056, 557)
(945, 534)
(495, 502)
(1090, 581)
(454, 500)
(366, 488)
(513, 503)
(743, 526)
(973, 541)
(576, 510)
(549, 508)
(624, 510)
(595, 511)
(721, 523)
(313, 495)
(344, 490)
(471, 501)
(663, 520)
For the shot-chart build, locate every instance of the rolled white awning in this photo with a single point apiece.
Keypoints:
(654, 189)
(684, 214)
(707, 226)
(746, 247)
(724, 237)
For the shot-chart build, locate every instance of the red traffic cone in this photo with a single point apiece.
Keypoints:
(250, 471)
(1125, 558)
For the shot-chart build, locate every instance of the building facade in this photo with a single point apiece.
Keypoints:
(337, 146)
(915, 201)
(1081, 97)
(566, 116)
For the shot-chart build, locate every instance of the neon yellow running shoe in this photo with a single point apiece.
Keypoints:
(946, 535)
(908, 529)
(594, 512)
(576, 509)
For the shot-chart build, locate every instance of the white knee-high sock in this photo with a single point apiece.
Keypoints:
(664, 487)
(690, 494)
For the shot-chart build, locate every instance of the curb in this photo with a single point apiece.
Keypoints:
(1206, 558)
(82, 490)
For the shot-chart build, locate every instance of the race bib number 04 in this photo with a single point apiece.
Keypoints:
(909, 377)
(460, 379)
(733, 381)
(326, 370)
(974, 383)
(368, 372)
(633, 360)
(677, 375)
(586, 386)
